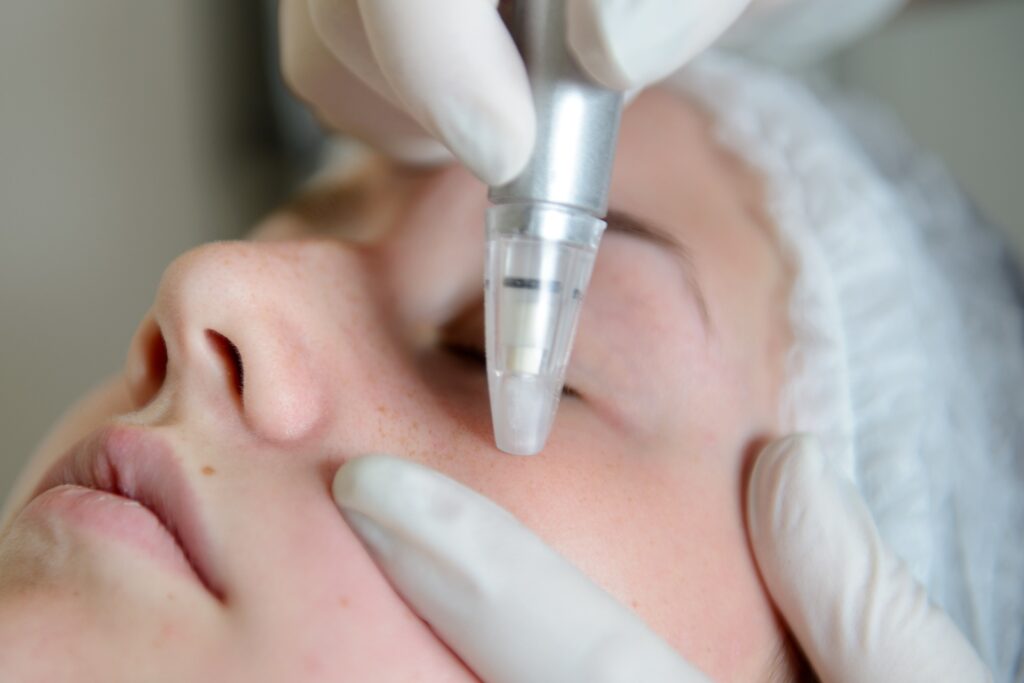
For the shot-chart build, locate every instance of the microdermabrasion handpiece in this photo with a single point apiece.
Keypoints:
(543, 230)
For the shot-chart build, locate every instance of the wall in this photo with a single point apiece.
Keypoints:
(954, 72)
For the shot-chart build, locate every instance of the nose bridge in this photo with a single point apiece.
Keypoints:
(249, 325)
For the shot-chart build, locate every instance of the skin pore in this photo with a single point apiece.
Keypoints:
(353, 325)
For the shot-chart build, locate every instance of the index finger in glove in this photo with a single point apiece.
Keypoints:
(852, 605)
(452, 66)
(341, 99)
(512, 608)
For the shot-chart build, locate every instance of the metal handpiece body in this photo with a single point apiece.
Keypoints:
(543, 230)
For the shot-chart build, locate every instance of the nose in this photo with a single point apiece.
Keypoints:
(240, 328)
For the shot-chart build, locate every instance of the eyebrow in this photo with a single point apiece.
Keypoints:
(320, 209)
(627, 224)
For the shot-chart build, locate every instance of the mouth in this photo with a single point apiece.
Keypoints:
(140, 467)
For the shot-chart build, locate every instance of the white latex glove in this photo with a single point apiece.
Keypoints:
(401, 74)
(516, 611)
(852, 605)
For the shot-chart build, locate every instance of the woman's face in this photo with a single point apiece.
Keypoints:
(264, 365)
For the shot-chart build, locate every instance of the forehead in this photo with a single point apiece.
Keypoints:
(669, 162)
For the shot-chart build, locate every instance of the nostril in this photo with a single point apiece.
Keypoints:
(156, 356)
(229, 353)
(148, 369)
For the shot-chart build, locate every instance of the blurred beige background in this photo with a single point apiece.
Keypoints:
(131, 130)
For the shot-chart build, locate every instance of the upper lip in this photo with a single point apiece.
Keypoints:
(139, 465)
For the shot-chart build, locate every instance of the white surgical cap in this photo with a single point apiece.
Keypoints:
(908, 359)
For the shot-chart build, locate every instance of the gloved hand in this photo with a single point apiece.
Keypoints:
(402, 74)
(516, 611)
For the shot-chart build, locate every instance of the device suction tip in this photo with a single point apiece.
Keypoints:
(523, 409)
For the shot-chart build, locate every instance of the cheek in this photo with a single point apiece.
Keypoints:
(660, 531)
(315, 605)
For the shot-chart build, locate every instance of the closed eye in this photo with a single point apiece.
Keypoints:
(472, 354)
(463, 338)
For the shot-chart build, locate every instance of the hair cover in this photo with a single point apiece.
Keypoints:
(908, 360)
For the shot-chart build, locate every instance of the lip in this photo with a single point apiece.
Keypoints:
(133, 464)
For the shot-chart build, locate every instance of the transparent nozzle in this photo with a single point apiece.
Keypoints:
(537, 271)
(523, 408)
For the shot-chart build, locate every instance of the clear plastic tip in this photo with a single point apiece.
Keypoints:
(538, 268)
(523, 408)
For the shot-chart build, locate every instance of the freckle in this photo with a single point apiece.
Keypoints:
(208, 471)
(170, 596)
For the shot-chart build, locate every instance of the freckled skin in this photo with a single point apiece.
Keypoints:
(639, 485)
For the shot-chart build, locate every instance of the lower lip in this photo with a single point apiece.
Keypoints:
(112, 517)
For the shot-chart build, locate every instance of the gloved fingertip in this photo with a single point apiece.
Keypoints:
(784, 457)
(506, 166)
(414, 151)
(627, 46)
(797, 447)
(494, 145)
(387, 489)
(591, 47)
(466, 84)
(784, 471)
(361, 477)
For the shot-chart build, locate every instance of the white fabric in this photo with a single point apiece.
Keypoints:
(909, 361)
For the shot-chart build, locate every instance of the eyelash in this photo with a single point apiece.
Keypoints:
(477, 357)
(466, 352)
